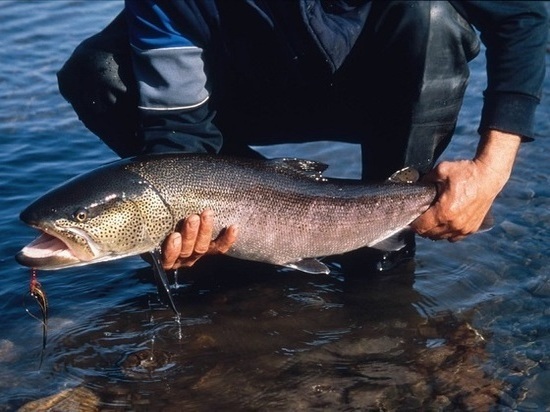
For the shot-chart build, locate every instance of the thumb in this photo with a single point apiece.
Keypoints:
(171, 250)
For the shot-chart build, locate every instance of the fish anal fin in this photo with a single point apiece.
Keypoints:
(392, 243)
(309, 265)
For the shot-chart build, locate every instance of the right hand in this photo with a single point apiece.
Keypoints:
(194, 240)
(467, 188)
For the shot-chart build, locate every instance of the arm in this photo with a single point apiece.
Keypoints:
(174, 107)
(174, 101)
(514, 33)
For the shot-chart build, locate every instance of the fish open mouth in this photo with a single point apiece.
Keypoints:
(47, 252)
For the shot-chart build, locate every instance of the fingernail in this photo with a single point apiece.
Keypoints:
(175, 242)
(175, 239)
(193, 221)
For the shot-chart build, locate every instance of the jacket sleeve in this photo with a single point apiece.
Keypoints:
(515, 35)
(174, 101)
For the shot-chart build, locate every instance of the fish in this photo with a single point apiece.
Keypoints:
(287, 212)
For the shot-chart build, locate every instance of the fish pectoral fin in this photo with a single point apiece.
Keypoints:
(309, 265)
(163, 286)
(392, 243)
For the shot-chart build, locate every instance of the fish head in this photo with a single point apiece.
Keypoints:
(103, 215)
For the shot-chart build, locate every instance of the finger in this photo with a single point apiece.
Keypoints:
(189, 234)
(225, 240)
(437, 175)
(457, 238)
(171, 250)
(446, 231)
(426, 223)
(221, 245)
(204, 235)
(440, 230)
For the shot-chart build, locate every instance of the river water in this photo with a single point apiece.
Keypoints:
(466, 326)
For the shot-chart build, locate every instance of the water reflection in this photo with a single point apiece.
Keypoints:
(261, 338)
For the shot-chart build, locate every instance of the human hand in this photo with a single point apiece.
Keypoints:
(183, 248)
(467, 189)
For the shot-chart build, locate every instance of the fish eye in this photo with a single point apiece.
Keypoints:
(80, 215)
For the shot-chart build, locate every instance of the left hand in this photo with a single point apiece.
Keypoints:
(183, 248)
(467, 188)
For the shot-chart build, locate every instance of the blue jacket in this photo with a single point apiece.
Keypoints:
(186, 59)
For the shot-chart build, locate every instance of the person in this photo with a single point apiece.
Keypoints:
(216, 77)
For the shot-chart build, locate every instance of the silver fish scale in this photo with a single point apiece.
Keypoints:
(283, 215)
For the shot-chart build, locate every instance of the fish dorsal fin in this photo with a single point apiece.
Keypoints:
(302, 167)
(309, 265)
(406, 175)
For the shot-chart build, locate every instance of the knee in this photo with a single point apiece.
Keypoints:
(453, 30)
(98, 75)
(413, 24)
(99, 83)
(86, 80)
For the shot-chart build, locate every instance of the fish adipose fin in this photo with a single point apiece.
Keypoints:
(309, 266)
(406, 175)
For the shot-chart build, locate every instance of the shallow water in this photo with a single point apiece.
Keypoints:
(466, 327)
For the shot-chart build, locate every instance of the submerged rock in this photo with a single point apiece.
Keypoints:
(79, 399)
